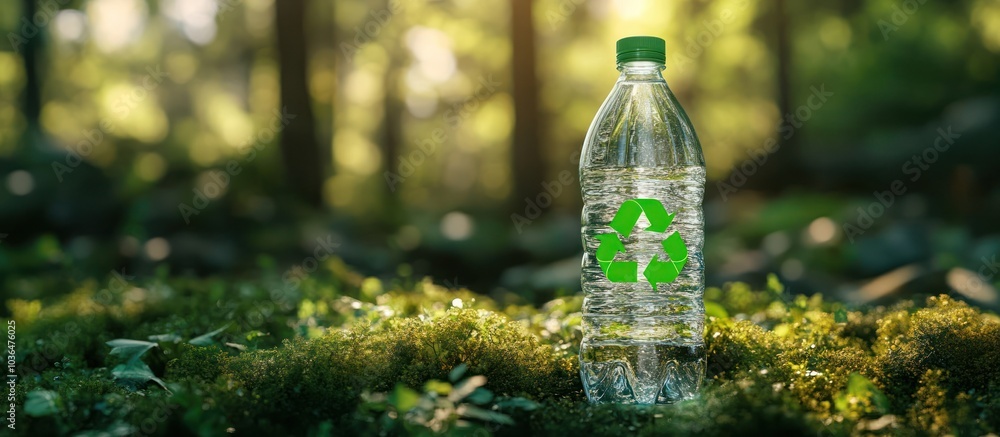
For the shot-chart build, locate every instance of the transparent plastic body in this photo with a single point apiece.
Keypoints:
(642, 338)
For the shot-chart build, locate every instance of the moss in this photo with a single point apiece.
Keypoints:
(861, 327)
(513, 360)
(307, 380)
(303, 382)
(738, 347)
(200, 363)
(927, 413)
(739, 298)
(89, 400)
(737, 407)
(425, 295)
(947, 335)
(777, 363)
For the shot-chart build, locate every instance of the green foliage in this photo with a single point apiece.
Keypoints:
(41, 403)
(861, 391)
(67, 400)
(203, 364)
(207, 339)
(304, 380)
(309, 379)
(133, 372)
(738, 347)
(461, 407)
(947, 335)
(415, 358)
(512, 359)
(928, 413)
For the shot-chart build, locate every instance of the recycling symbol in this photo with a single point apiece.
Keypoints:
(657, 271)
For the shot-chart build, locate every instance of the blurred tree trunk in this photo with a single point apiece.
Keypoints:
(784, 64)
(784, 165)
(391, 147)
(528, 167)
(299, 149)
(390, 122)
(32, 100)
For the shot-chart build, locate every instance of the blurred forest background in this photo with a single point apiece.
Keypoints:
(403, 135)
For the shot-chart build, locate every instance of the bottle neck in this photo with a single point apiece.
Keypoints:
(641, 71)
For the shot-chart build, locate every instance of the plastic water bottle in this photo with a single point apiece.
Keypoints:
(642, 174)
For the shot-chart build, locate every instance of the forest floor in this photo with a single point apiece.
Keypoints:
(333, 353)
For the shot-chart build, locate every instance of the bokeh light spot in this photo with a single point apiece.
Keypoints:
(792, 269)
(822, 230)
(776, 243)
(457, 226)
(157, 249)
(408, 237)
(150, 167)
(20, 182)
(70, 24)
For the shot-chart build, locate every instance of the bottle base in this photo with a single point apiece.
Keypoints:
(641, 373)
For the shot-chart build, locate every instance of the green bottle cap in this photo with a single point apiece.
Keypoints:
(641, 48)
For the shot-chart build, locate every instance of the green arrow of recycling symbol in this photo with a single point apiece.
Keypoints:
(657, 271)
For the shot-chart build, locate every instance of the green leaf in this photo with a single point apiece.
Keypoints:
(466, 387)
(207, 339)
(880, 401)
(403, 398)
(160, 382)
(252, 335)
(841, 402)
(439, 387)
(472, 412)
(129, 349)
(840, 316)
(860, 387)
(518, 403)
(133, 370)
(133, 373)
(480, 396)
(774, 284)
(117, 429)
(40, 403)
(457, 372)
(713, 309)
(165, 338)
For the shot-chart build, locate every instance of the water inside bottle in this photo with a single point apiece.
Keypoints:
(643, 345)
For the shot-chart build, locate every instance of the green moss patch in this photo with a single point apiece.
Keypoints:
(342, 354)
